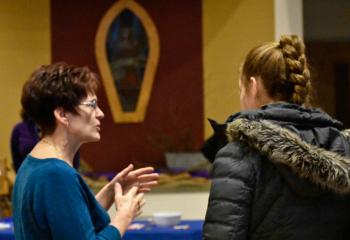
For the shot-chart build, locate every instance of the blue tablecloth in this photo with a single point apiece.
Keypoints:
(191, 230)
(7, 233)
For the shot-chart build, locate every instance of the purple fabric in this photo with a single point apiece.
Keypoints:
(25, 135)
(23, 139)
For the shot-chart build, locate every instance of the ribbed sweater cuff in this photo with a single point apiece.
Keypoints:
(110, 232)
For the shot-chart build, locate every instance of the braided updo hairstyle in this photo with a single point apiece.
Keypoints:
(283, 69)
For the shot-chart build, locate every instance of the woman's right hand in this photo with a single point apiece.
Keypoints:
(129, 205)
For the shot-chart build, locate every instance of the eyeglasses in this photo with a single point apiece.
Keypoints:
(92, 103)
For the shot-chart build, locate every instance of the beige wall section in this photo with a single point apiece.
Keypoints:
(288, 17)
(191, 205)
(24, 44)
(230, 29)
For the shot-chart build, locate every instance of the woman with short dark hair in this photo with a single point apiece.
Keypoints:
(50, 199)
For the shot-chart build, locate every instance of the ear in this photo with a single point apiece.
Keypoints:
(61, 116)
(219, 129)
(253, 86)
(213, 144)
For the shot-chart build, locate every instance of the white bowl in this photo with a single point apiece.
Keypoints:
(165, 219)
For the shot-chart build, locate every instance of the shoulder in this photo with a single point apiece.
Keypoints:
(58, 179)
(20, 126)
(61, 169)
(236, 160)
(17, 129)
(53, 171)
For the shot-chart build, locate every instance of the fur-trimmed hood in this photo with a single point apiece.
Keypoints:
(327, 169)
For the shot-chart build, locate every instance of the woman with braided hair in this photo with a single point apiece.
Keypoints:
(282, 173)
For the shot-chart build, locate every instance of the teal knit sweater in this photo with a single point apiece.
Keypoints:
(52, 201)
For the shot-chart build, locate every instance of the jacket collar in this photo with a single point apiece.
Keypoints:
(288, 113)
(325, 168)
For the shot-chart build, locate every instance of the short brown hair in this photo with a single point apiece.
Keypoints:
(56, 85)
(283, 69)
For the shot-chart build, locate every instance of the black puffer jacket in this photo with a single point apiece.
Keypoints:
(275, 178)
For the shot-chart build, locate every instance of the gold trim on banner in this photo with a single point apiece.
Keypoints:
(119, 115)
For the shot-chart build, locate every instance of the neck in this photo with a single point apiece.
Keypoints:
(264, 99)
(61, 147)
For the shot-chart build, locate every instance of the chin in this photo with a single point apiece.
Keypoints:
(94, 138)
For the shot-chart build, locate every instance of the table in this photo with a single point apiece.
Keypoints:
(152, 232)
(7, 233)
(148, 232)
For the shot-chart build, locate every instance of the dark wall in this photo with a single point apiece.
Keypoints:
(330, 72)
(174, 118)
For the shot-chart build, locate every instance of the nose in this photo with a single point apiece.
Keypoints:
(99, 113)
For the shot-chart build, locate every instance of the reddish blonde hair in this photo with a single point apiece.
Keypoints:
(283, 69)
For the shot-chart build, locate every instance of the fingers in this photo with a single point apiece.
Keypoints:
(126, 170)
(139, 197)
(148, 177)
(148, 184)
(142, 171)
(142, 203)
(143, 177)
(144, 190)
(146, 187)
(118, 190)
(130, 203)
(132, 192)
(121, 175)
(148, 181)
